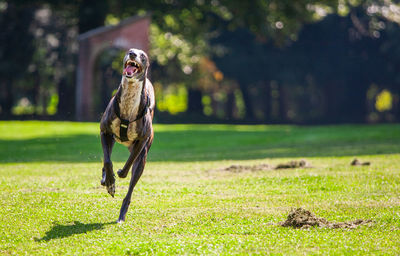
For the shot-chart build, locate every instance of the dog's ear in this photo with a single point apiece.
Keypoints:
(146, 70)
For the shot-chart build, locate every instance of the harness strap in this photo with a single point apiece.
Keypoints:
(123, 127)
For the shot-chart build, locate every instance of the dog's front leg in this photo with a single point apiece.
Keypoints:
(139, 153)
(108, 179)
(122, 173)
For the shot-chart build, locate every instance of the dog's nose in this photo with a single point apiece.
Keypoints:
(132, 55)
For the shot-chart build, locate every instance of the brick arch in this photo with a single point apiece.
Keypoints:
(130, 33)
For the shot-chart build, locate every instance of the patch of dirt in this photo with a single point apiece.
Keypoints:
(357, 162)
(241, 168)
(301, 218)
(267, 167)
(294, 164)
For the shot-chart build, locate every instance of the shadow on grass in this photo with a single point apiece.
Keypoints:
(217, 143)
(61, 231)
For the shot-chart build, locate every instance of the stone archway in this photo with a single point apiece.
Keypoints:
(130, 33)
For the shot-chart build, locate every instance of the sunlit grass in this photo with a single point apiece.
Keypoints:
(52, 202)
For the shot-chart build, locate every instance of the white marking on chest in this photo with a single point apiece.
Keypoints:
(129, 108)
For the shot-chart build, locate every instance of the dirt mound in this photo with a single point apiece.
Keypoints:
(293, 164)
(301, 218)
(241, 168)
(267, 167)
(289, 165)
(356, 162)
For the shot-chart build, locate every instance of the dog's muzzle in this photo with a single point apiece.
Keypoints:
(131, 68)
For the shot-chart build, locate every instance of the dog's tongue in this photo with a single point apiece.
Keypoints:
(129, 70)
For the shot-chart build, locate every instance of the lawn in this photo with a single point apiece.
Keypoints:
(52, 201)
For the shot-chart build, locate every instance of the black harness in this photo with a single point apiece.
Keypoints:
(123, 127)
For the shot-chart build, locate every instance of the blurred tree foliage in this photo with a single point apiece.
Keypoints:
(220, 60)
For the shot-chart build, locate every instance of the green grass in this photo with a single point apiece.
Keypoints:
(52, 203)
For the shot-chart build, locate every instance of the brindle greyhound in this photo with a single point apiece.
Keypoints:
(128, 120)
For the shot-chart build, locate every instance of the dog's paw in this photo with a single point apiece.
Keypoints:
(108, 180)
(122, 174)
(111, 189)
(110, 184)
(107, 171)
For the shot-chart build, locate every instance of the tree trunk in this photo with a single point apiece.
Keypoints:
(36, 90)
(357, 100)
(396, 103)
(8, 98)
(282, 104)
(248, 103)
(195, 105)
(230, 105)
(331, 112)
(267, 101)
(15, 49)
(66, 99)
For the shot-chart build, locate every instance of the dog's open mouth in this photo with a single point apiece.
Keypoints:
(131, 68)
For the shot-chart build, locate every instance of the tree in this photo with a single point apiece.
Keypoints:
(16, 49)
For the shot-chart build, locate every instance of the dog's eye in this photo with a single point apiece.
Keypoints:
(142, 57)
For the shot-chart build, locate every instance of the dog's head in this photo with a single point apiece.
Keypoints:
(136, 64)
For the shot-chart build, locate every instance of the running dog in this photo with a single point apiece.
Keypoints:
(128, 120)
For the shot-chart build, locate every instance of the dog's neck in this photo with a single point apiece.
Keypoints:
(130, 97)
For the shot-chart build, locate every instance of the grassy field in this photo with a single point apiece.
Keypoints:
(52, 201)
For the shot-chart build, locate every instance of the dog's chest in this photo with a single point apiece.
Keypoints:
(129, 108)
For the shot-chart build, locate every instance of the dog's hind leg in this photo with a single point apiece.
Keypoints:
(108, 177)
(137, 170)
